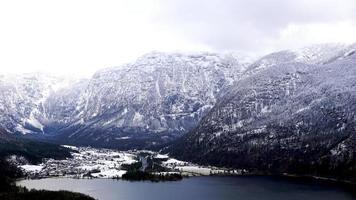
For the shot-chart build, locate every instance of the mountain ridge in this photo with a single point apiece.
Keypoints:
(287, 117)
(159, 96)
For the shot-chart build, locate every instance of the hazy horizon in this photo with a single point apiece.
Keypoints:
(81, 37)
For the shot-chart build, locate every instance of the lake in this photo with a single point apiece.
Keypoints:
(197, 188)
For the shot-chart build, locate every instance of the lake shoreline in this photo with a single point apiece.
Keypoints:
(287, 176)
(246, 186)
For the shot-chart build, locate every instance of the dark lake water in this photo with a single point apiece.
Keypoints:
(197, 188)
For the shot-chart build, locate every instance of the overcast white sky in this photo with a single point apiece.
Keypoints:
(81, 36)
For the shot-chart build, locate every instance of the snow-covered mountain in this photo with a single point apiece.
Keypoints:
(291, 112)
(22, 98)
(156, 98)
(152, 100)
(315, 54)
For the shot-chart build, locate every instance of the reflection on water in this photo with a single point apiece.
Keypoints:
(204, 188)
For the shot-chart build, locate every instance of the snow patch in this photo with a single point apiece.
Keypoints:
(32, 168)
(111, 173)
(123, 138)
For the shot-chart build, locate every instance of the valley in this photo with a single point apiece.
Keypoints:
(168, 116)
(178, 99)
(87, 162)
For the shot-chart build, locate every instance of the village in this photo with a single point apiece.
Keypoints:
(88, 162)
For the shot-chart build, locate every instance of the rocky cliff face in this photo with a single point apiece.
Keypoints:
(22, 100)
(145, 103)
(151, 101)
(292, 111)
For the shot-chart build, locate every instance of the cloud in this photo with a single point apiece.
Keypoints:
(255, 25)
(83, 35)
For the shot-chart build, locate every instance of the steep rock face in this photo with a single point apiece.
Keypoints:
(291, 115)
(61, 109)
(152, 100)
(21, 100)
(145, 103)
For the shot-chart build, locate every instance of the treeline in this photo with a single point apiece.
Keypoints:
(146, 176)
(8, 173)
(33, 151)
(134, 173)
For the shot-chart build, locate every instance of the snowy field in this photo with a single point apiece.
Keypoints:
(90, 162)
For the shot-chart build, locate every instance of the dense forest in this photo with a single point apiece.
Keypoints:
(33, 151)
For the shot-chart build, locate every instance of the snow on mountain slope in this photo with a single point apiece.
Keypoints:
(164, 94)
(61, 108)
(296, 115)
(315, 54)
(21, 100)
(153, 100)
(159, 92)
